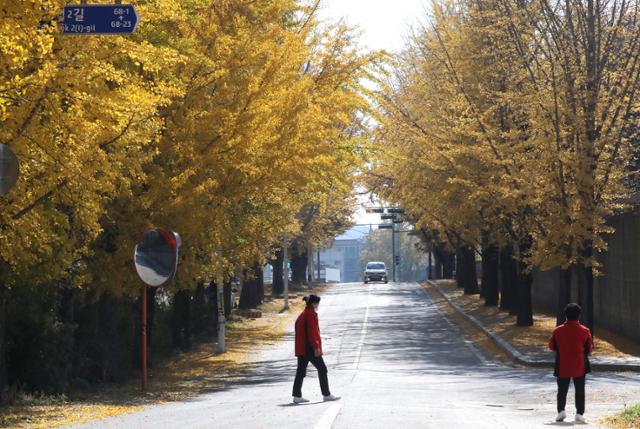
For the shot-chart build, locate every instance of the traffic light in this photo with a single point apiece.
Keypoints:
(395, 210)
(397, 259)
(387, 216)
(385, 226)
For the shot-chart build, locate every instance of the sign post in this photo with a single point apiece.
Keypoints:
(87, 19)
(156, 259)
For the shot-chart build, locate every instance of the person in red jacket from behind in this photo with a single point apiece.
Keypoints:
(572, 343)
(309, 349)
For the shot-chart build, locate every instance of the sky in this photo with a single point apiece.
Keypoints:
(384, 25)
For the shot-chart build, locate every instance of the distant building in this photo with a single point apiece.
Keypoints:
(344, 255)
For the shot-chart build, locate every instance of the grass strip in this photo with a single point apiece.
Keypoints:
(627, 419)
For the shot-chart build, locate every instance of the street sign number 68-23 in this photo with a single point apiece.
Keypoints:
(86, 19)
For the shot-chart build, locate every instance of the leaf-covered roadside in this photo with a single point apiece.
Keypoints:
(184, 375)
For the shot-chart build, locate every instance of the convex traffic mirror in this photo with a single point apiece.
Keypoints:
(156, 256)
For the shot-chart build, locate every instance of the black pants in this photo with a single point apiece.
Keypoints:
(563, 389)
(318, 362)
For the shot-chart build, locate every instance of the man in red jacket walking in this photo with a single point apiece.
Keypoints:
(572, 343)
(309, 349)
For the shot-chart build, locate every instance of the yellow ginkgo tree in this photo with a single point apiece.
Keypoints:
(218, 119)
(509, 125)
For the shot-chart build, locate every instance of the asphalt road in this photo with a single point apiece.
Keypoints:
(396, 361)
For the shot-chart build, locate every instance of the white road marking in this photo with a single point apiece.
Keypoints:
(363, 332)
(328, 417)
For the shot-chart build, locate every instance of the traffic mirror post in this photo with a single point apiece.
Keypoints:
(155, 259)
(143, 337)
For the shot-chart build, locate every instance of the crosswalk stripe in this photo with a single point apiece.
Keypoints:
(328, 417)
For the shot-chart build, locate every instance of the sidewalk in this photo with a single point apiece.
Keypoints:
(528, 346)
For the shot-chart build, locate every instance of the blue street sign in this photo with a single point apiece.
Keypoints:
(99, 19)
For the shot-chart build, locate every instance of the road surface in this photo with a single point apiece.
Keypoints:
(396, 361)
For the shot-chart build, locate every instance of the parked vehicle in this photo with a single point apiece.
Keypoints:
(376, 272)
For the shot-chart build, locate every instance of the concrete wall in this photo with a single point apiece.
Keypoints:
(617, 290)
(545, 284)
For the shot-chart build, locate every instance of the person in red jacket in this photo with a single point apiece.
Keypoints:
(309, 349)
(572, 343)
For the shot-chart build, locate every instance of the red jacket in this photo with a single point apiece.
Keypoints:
(308, 333)
(572, 343)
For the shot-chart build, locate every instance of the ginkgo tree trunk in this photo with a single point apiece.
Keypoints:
(278, 272)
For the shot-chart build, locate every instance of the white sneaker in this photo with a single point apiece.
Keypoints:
(561, 416)
(330, 398)
(299, 400)
(580, 419)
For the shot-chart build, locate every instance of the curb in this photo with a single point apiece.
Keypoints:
(521, 358)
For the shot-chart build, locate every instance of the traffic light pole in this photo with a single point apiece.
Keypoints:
(393, 249)
(391, 212)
